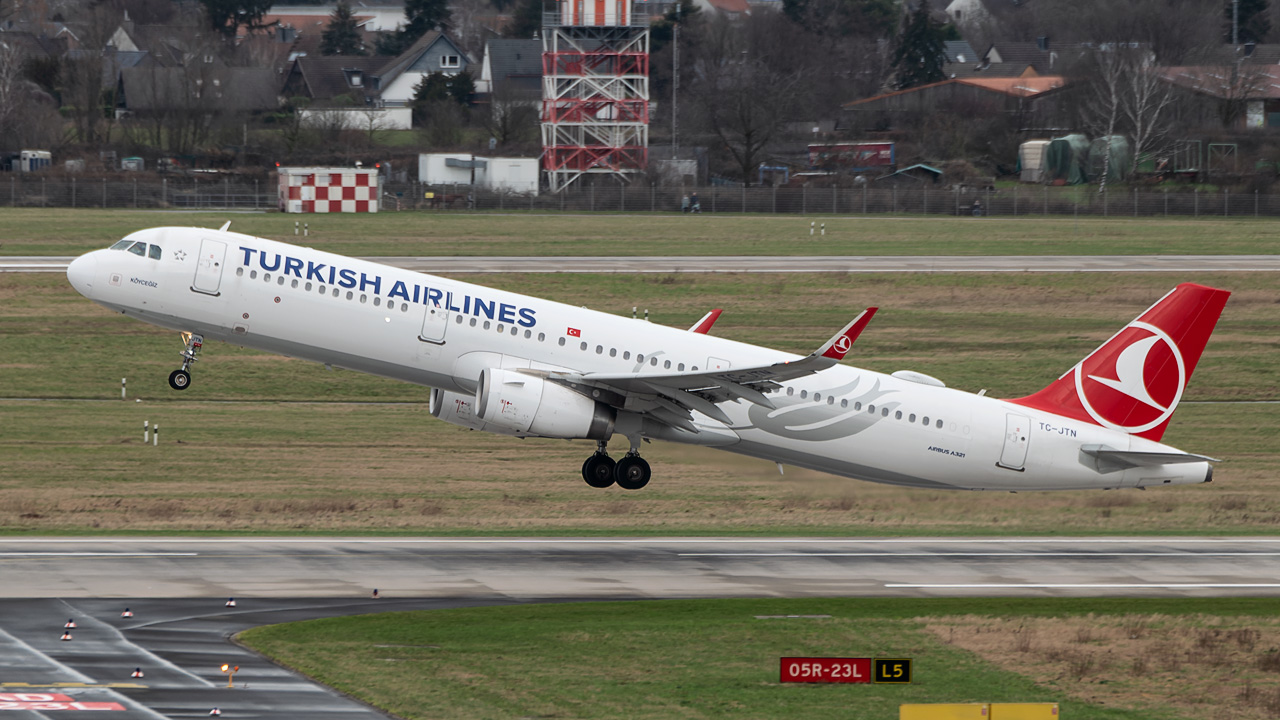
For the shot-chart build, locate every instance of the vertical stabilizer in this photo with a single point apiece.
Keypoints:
(1134, 381)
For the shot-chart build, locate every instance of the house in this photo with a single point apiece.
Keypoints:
(209, 88)
(511, 69)
(1020, 59)
(1030, 99)
(1244, 96)
(434, 52)
(913, 176)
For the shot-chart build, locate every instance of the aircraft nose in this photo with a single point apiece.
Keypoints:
(80, 273)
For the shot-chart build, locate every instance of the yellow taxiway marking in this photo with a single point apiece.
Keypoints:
(138, 686)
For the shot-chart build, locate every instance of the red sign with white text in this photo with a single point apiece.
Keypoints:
(826, 670)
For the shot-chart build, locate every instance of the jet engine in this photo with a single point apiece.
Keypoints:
(530, 405)
(458, 409)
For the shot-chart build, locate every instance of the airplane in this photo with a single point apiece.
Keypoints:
(521, 366)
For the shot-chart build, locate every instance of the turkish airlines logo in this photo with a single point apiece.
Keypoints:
(1136, 388)
(842, 344)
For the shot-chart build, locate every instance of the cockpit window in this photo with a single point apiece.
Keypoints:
(139, 248)
(154, 252)
(122, 244)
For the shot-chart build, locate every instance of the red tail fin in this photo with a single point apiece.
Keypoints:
(1134, 381)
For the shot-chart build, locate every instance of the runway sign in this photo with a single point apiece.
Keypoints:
(845, 670)
(50, 701)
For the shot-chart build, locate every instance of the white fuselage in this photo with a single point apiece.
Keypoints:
(281, 298)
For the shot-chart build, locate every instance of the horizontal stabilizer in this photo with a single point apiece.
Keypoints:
(1138, 458)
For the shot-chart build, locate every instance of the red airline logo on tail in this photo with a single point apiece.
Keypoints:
(1137, 388)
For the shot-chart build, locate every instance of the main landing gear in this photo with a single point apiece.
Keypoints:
(181, 379)
(630, 473)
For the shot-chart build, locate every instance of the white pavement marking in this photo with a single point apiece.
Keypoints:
(266, 540)
(5, 554)
(1085, 586)
(88, 618)
(1030, 553)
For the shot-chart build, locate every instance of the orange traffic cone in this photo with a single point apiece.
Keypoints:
(231, 602)
(137, 673)
(66, 636)
(127, 613)
(70, 624)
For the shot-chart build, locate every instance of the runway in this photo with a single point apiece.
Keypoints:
(607, 568)
(788, 264)
(176, 588)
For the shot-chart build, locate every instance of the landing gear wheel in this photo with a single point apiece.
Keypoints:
(598, 470)
(632, 473)
(179, 379)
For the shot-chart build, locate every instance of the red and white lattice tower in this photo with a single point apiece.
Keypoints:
(595, 90)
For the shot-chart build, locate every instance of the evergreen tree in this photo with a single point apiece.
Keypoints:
(527, 20)
(421, 16)
(843, 18)
(1254, 21)
(439, 89)
(226, 16)
(919, 55)
(342, 37)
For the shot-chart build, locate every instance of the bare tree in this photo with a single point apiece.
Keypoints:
(11, 84)
(743, 90)
(373, 120)
(1145, 101)
(83, 71)
(512, 121)
(1105, 105)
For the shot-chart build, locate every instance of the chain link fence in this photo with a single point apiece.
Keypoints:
(1021, 200)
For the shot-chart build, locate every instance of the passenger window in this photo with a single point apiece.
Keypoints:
(561, 342)
(280, 280)
(501, 327)
(599, 349)
(543, 336)
(681, 368)
(239, 271)
(473, 322)
(613, 352)
(857, 406)
(666, 365)
(926, 421)
(377, 301)
(626, 354)
(363, 298)
(804, 394)
(897, 415)
(308, 286)
(583, 347)
(911, 418)
(527, 334)
(640, 357)
(871, 409)
(939, 425)
(487, 324)
(404, 307)
(844, 403)
(884, 412)
(515, 330)
(139, 249)
(791, 391)
(253, 274)
(831, 399)
(817, 397)
(154, 252)
(335, 292)
(459, 319)
(294, 284)
(350, 294)
(323, 290)
(653, 361)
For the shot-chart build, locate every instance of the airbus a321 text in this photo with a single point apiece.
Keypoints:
(518, 365)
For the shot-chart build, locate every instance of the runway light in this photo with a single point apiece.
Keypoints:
(231, 674)
(127, 613)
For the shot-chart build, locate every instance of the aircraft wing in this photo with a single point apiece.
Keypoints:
(703, 326)
(671, 397)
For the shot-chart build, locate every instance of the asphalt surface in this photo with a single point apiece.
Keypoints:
(605, 568)
(179, 634)
(789, 264)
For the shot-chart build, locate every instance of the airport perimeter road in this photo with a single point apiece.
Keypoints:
(789, 264)
(605, 568)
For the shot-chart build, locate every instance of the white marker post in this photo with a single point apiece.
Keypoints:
(146, 431)
(824, 229)
(122, 395)
(295, 228)
(810, 228)
(155, 436)
(306, 229)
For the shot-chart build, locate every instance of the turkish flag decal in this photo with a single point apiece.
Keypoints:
(574, 332)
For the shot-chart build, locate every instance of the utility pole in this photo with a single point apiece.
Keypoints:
(675, 85)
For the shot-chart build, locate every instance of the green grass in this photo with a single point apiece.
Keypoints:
(29, 231)
(692, 659)
(288, 456)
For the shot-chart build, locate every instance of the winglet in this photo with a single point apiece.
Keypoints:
(704, 325)
(840, 343)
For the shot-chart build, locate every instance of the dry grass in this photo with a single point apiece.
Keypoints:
(1186, 662)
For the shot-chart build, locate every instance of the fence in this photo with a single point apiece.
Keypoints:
(1023, 200)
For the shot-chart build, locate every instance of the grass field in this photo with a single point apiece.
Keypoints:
(71, 232)
(1116, 659)
(268, 444)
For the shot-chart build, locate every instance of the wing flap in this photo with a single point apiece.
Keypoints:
(1139, 458)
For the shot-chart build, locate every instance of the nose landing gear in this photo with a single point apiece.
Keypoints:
(181, 379)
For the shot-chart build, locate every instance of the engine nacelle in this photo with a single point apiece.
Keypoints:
(530, 405)
(458, 409)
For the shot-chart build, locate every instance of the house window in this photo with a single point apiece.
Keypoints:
(450, 61)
